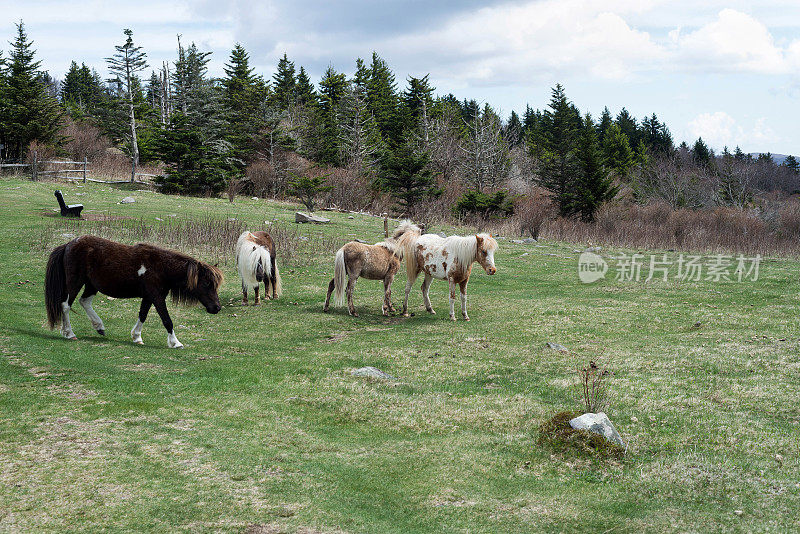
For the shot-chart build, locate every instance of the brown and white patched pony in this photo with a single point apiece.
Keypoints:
(445, 258)
(255, 260)
(380, 261)
(122, 271)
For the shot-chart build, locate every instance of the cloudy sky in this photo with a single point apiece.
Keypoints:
(726, 70)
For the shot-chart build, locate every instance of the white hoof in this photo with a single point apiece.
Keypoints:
(172, 341)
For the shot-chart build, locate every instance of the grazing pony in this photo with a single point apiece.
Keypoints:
(255, 260)
(380, 261)
(445, 258)
(121, 271)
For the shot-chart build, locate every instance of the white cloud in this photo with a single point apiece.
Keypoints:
(719, 130)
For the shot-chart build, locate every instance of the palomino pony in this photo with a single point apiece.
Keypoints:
(380, 261)
(445, 258)
(121, 271)
(255, 260)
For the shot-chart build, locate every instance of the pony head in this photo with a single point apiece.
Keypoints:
(484, 252)
(202, 285)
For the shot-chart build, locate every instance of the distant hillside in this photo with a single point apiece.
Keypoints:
(777, 158)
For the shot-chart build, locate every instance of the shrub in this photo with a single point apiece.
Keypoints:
(498, 205)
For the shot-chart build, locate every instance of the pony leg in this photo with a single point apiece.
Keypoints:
(409, 284)
(274, 277)
(463, 286)
(331, 287)
(257, 301)
(244, 294)
(452, 299)
(387, 296)
(86, 302)
(73, 288)
(351, 284)
(136, 333)
(161, 308)
(426, 287)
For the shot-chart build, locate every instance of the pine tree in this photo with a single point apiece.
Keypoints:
(627, 123)
(555, 144)
(604, 124)
(188, 79)
(383, 100)
(29, 111)
(512, 131)
(417, 101)
(332, 87)
(617, 151)
(738, 155)
(595, 186)
(407, 176)
(284, 84)
(124, 65)
(656, 135)
(244, 97)
(701, 154)
(306, 95)
(792, 164)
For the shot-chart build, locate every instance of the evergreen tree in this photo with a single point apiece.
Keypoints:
(738, 155)
(383, 100)
(617, 151)
(195, 165)
(189, 83)
(284, 84)
(627, 123)
(29, 112)
(555, 144)
(361, 77)
(304, 89)
(594, 186)
(124, 65)
(417, 103)
(792, 164)
(307, 188)
(656, 135)
(512, 131)
(407, 176)
(244, 96)
(332, 87)
(604, 124)
(701, 154)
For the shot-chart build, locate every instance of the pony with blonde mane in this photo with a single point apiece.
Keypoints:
(380, 261)
(445, 258)
(255, 261)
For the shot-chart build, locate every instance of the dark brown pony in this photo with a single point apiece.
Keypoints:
(121, 271)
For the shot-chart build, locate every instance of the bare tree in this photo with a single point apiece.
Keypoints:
(443, 143)
(360, 142)
(487, 162)
(128, 60)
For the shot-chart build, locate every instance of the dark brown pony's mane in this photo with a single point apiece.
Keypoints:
(184, 291)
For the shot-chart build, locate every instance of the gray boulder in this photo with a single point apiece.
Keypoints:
(599, 423)
(372, 372)
(127, 200)
(301, 217)
(556, 347)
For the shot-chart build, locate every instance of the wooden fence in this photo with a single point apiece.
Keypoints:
(36, 170)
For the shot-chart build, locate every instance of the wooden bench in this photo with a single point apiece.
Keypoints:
(71, 210)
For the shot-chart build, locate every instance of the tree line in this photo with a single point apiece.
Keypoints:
(210, 132)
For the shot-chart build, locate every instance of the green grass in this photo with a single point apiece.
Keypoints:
(259, 422)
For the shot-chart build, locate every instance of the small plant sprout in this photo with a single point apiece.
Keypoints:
(593, 386)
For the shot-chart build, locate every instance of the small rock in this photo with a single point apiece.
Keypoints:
(253, 198)
(599, 423)
(529, 240)
(634, 419)
(556, 347)
(350, 217)
(518, 241)
(301, 217)
(738, 512)
(127, 200)
(68, 236)
(159, 219)
(231, 219)
(372, 372)
(360, 241)
(525, 253)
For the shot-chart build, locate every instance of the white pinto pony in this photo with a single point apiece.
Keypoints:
(255, 261)
(445, 258)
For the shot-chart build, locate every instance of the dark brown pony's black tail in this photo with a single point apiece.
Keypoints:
(55, 286)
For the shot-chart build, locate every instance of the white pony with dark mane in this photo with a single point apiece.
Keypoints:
(255, 261)
(445, 258)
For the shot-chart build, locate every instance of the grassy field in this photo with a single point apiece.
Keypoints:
(258, 424)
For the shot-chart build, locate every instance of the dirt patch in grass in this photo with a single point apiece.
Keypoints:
(84, 216)
(557, 433)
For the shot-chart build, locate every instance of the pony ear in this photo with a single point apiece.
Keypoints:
(191, 276)
(216, 264)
